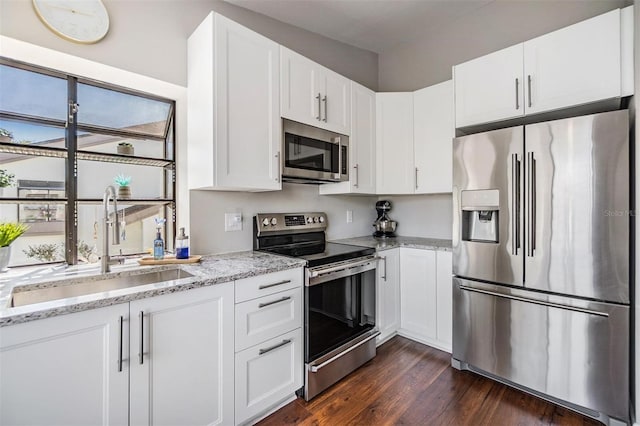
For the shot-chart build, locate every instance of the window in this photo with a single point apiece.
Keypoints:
(63, 140)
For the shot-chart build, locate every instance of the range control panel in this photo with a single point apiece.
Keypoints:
(267, 222)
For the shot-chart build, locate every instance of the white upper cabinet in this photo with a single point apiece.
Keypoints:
(313, 94)
(489, 88)
(234, 121)
(433, 133)
(362, 145)
(394, 143)
(576, 65)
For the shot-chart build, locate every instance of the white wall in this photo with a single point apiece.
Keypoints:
(428, 59)
(150, 37)
(429, 216)
(208, 209)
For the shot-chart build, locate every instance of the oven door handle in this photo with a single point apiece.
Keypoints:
(319, 272)
(316, 368)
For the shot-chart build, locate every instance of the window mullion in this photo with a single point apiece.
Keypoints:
(72, 173)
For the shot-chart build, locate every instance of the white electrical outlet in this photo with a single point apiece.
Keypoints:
(349, 216)
(233, 222)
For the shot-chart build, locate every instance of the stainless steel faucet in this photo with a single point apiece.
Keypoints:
(109, 192)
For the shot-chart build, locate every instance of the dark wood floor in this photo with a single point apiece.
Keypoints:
(408, 383)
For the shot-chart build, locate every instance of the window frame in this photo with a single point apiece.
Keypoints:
(71, 154)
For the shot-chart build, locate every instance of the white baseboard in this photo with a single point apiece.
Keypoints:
(425, 341)
(278, 406)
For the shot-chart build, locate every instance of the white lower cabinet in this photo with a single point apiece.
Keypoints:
(66, 370)
(267, 374)
(418, 302)
(268, 343)
(181, 361)
(388, 295)
(426, 296)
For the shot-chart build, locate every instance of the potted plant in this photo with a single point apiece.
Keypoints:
(124, 191)
(9, 231)
(6, 178)
(5, 135)
(125, 148)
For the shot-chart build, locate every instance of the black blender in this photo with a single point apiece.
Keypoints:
(385, 227)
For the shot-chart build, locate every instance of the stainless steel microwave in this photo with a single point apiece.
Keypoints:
(313, 155)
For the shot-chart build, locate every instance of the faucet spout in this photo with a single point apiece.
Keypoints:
(109, 193)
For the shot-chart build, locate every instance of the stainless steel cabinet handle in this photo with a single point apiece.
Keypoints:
(277, 177)
(384, 261)
(517, 94)
(316, 368)
(325, 108)
(319, 117)
(284, 342)
(416, 177)
(262, 305)
(121, 327)
(537, 302)
(141, 348)
(515, 204)
(262, 287)
(355, 180)
(529, 88)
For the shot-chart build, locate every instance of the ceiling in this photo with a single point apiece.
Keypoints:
(374, 25)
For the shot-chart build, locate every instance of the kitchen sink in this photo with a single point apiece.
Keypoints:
(39, 295)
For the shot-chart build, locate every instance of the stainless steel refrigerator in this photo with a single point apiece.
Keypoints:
(541, 249)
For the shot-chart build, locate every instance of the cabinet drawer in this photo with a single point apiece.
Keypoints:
(264, 318)
(264, 285)
(267, 373)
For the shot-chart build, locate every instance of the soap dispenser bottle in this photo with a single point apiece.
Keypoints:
(182, 245)
(158, 246)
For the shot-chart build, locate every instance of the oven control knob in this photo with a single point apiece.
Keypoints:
(309, 219)
(321, 219)
(274, 221)
(265, 222)
(315, 219)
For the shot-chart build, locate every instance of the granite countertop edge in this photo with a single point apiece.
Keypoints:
(381, 244)
(213, 269)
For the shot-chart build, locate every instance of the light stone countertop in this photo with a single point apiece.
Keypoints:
(395, 242)
(213, 269)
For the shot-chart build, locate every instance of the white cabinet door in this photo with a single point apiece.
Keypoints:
(433, 133)
(234, 108)
(394, 143)
(65, 370)
(388, 295)
(418, 304)
(182, 357)
(300, 97)
(490, 88)
(574, 65)
(362, 146)
(336, 102)
(267, 373)
(444, 298)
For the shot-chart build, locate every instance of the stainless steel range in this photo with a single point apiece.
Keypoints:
(340, 296)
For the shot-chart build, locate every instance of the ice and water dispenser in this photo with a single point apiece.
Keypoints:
(480, 215)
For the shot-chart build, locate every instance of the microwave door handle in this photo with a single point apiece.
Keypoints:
(338, 140)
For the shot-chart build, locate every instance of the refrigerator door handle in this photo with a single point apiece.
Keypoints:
(537, 302)
(515, 204)
(531, 164)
